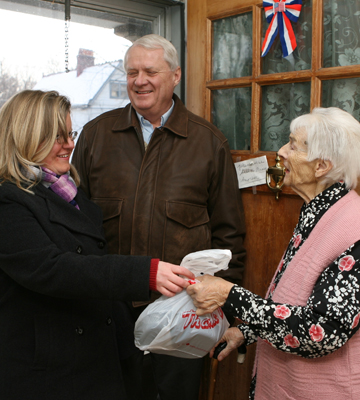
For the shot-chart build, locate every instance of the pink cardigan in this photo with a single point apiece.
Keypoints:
(283, 376)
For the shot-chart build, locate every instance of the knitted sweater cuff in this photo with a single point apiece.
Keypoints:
(153, 273)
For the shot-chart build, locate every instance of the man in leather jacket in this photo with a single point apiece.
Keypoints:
(167, 186)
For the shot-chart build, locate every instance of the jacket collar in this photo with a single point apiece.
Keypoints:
(177, 122)
(67, 215)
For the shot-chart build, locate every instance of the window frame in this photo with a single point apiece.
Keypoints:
(121, 89)
(316, 75)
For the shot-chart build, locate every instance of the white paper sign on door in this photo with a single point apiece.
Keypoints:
(252, 172)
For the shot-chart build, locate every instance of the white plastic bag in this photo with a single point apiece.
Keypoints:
(170, 324)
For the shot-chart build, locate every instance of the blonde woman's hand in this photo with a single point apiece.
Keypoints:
(168, 281)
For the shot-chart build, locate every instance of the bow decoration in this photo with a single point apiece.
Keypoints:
(279, 14)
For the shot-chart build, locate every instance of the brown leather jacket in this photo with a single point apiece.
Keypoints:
(177, 197)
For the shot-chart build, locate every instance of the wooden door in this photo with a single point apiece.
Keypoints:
(269, 222)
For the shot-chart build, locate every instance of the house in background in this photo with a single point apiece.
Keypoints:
(92, 89)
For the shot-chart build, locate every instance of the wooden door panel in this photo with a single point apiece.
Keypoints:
(269, 224)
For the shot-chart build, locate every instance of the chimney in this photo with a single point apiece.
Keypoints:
(85, 59)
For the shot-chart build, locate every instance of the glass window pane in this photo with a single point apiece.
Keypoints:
(341, 33)
(280, 105)
(115, 90)
(300, 59)
(232, 47)
(342, 93)
(232, 115)
(37, 31)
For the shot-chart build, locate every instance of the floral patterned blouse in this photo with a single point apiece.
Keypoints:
(331, 315)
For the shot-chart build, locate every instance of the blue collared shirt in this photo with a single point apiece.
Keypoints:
(146, 126)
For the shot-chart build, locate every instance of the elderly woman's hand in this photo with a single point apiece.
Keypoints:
(209, 294)
(234, 339)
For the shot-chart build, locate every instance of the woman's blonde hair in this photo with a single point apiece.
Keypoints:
(30, 121)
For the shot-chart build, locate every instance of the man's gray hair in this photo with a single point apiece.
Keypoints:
(334, 135)
(153, 42)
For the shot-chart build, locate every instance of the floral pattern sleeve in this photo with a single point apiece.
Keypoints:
(327, 322)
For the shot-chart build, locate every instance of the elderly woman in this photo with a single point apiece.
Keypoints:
(58, 288)
(312, 307)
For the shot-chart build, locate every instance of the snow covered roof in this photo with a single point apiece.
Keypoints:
(80, 89)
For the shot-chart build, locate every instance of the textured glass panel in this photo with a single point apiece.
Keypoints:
(300, 59)
(232, 115)
(343, 93)
(341, 32)
(232, 47)
(280, 105)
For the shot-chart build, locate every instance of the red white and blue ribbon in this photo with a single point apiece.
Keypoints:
(279, 14)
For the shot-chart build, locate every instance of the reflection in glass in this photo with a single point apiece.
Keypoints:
(280, 105)
(300, 59)
(232, 47)
(343, 93)
(232, 115)
(132, 28)
(341, 33)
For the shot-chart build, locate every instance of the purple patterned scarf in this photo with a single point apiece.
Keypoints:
(62, 185)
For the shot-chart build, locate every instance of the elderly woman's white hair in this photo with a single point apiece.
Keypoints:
(153, 42)
(334, 135)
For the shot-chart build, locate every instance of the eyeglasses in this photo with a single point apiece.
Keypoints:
(72, 135)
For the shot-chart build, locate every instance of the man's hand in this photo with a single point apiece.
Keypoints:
(234, 339)
(168, 281)
(209, 294)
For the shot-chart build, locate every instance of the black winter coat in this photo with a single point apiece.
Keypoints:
(57, 292)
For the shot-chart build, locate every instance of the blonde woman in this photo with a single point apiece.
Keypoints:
(57, 285)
